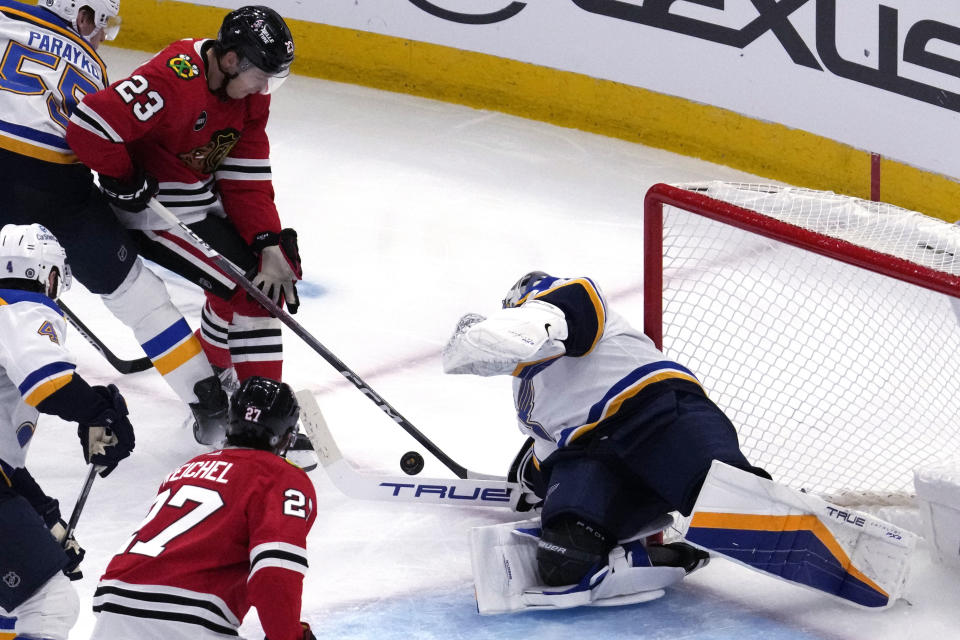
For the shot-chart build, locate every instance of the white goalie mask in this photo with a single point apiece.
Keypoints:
(106, 14)
(31, 252)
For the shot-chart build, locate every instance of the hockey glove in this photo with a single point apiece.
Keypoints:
(279, 267)
(130, 195)
(108, 438)
(525, 473)
(70, 546)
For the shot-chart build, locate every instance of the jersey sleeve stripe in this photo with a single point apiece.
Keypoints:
(278, 554)
(235, 173)
(297, 566)
(91, 121)
(43, 382)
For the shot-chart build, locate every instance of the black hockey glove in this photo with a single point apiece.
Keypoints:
(525, 473)
(71, 547)
(108, 438)
(130, 195)
(279, 267)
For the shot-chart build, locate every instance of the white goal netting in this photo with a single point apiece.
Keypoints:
(839, 379)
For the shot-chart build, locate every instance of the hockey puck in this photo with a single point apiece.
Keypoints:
(412, 463)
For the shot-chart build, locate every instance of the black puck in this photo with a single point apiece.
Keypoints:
(412, 463)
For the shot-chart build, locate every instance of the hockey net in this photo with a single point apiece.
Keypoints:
(826, 327)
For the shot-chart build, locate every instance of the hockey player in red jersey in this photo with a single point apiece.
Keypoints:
(50, 62)
(192, 574)
(188, 127)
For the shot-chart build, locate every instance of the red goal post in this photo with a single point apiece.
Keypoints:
(825, 326)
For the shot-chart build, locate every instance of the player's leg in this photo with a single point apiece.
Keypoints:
(32, 588)
(674, 456)
(576, 531)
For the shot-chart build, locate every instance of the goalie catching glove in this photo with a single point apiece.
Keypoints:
(279, 267)
(496, 345)
(107, 438)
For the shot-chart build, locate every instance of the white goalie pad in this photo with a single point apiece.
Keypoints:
(496, 345)
(504, 559)
(800, 538)
(938, 494)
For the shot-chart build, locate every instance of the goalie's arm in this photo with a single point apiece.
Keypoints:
(584, 310)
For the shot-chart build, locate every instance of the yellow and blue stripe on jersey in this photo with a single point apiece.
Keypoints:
(627, 389)
(172, 347)
(43, 382)
(798, 548)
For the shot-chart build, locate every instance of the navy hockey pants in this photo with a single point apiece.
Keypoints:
(63, 198)
(29, 555)
(652, 462)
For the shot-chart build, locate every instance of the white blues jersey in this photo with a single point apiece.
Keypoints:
(608, 369)
(33, 364)
(45, 69)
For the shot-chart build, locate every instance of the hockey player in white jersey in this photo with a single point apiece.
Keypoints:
(37, 375)
(620, 436)
(51, 62)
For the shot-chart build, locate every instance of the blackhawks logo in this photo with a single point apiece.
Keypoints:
(207, 158)
(183, 67)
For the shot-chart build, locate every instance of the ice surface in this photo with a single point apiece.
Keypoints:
(411, 213)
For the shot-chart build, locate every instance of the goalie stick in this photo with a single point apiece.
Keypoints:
(123, 366)
(236, 275)
(488, 492)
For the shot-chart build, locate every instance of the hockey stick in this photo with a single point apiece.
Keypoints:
(488, 492)
(236, 275)
(123, 366)
(81, 500)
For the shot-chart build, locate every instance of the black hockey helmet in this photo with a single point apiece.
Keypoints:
(263, 415)
(260, 36)
(522, 287)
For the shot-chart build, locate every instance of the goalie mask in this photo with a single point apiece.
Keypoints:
(263, 415)
(31, 252)
(106, 16)
(522, 288)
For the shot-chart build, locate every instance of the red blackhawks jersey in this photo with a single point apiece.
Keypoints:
(164, 120)
(227, 531)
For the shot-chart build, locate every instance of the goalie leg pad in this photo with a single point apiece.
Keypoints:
(507, 580)
(938, 494)
(800, 538)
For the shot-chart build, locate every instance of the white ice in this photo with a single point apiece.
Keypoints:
(412, 212)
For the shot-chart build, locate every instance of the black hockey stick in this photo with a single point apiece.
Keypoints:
(123, 366)
(235, 274)
(81, 500)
